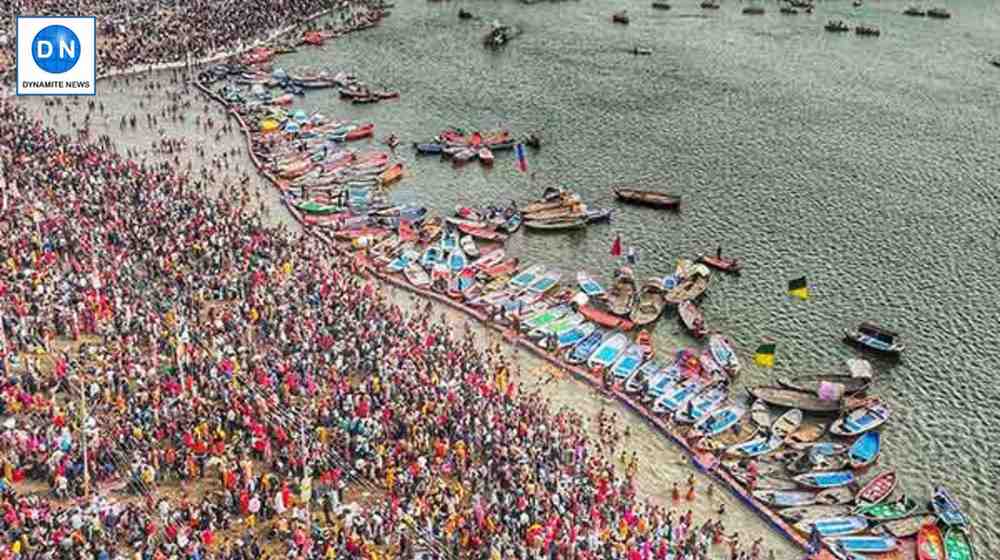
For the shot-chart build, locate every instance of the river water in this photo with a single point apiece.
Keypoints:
(867, 164)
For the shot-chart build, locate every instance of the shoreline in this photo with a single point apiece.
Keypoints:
(705, 463)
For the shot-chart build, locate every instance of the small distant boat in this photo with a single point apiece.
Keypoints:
(787, 423)
(428, 148)
(864, 544)
(641, 51)
(836, 26)
(557, 225)
(834, 526)
(865, 450)
(391, 175)
(620, 17)
(710, 4)
(660, 5)
(888, 511)
(862, 419)
(608, 351)
(785, 498)
(873, 337)
(869, 30)
(720, 420)
(811, 383)
(721, 263)
(957, 545)
(463, 155)
(588, 285)
(692, 318)
(821, 480)
(930, 543)
(648, 198)
(586, 347)
(915, 11)
(939, 13)
(464, 14)
(598, 215)
(877, 489)
(779, 396)
(485, 155)
(628, 362)
(947, 510)
(754, 10)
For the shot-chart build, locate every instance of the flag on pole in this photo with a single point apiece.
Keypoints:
(632, 256)
(522, 158)
(616, 247)
(764, 356)
(798, 288)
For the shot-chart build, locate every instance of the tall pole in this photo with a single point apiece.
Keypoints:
(83, 436)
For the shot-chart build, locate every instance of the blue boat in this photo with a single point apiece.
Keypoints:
(865, 449)
(545, 283)
(721, 420)
(449, 242)
(649, 371)
(573, 336)
(513, 223)
(862, 420)
(428, 148)
(677, 396)
(702, 405)
(833, 479)
(834, 526)
(587, 346)
(588, 285)
(757, 446)
(609, 350)
(785, 498)
(432, 256)
(457, 260)
(947, 510)
(526, 277)
(628, 362)
(864, 544)
(400, 263)
(663, 382)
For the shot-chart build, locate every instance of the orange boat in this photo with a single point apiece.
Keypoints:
(391, 175)
(482, 233)
(501, 268)
(606, 319)
(363, 131)
(645, 341)
(930, 544)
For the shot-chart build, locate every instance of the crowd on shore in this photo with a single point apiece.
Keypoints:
(239, 379)
(135, 33)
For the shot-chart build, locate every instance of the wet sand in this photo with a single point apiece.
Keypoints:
(660, 462)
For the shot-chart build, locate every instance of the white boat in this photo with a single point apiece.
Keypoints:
(469, 246)
(609, 350)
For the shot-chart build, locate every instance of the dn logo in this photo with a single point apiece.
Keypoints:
(56, 49)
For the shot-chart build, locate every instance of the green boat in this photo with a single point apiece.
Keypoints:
(887, 511)
(957, 545)
(312, 207)
(546, 317)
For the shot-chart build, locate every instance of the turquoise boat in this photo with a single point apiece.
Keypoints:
(545, 283)
(865, 450)
(400, 263)
(432, 256)
(545, 317)
(526, 277)
(720, 420)
(677, 396)
(457, 260)
(628, 362)
(864, 544)
(834, 526)
(756, 446)
(573, 336)
(588, 285)
(947, 509)
(587, 346)
(823, 480)
(649, 371)
(449, 242)
(608, 351)
(662, 382)
(702, 405)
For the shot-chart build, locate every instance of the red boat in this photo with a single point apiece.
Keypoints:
(363, 131)
(376, 233)
(721, 263)
(606, 319)
(645, 341)
(503, 267)
(930, 543)
(482, 233)
(878, 489)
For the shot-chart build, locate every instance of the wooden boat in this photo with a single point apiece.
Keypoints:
(787, 423)
(906, 526)
(480, 232)
(513, 223)
(621, 295)
(689, 289)
(822, 480)
(785, 498)
(428, 148)
(311, 207)
(862, 419)
(811, 513)
(778, 396)
(417, 276)
(833, 526)
(811, 383)
(572, 211)
(888, 511)
(873, 337)
(915, 11)
(649, 305)
(560, 200)
(642, 377)
(609, 350)
(865, 450)
(606, 319)
(938, 13)
(877, 489)
(864, 544)
(732, 266)
(586, 347)
(760, 414)
(588, 285)
(648, 198)
(391, 175)
(567, 323)
(661, 5)
(629, 362)
(557, 224)
(721, 420)
(598, 215)
(457, 260)
(840, 495)
(930, 543)
(957, 545)
(692, 318)
(645, 341)
(947, 510)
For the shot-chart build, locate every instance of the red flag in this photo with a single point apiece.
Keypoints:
(616, 247)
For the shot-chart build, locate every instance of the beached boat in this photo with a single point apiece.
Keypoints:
(487, 233)
(785, 498)
(468, 246)
(724, 353)
(761, 445)
(544, 318)
(503, 268)
(586, 347)
(526, 277)
(621, 295)
(628, 362)
(823, 479)
(567, 323)
(311, 207)
(692, 318)
(404, 259)
(873, 337)
(957, 545)
(639, 380)
(545, 282)
(648, 198)
(647, 307)
(677, 395)
(457, 260)
(787, 423)
(663, 381)
(877, 489)
(721, 263)
(588, 285)
(645, 341)
(814, 512)
(417, 276)
(865, 450)
(572, 337)
(888, 511)
(833, 526)
(720, 420)
(807, 402)
(760, 414)
(930, 543)
(811, 383)
(947, 510)
(863, 419)
(862, 544)
(702, 405)
(606, 319)
(609, 350)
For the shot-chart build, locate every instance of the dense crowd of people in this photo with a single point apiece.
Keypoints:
(234, 385)
(137, 33)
